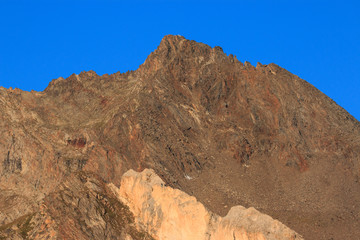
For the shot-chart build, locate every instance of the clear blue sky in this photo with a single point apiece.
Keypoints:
(316, 40)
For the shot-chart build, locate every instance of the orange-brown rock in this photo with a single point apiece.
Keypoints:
(170, 214)
(82, 207)
(225, 132)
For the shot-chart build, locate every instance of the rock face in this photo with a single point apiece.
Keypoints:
(85, 207)
(82, 207)
(170, 214)
(225, 132)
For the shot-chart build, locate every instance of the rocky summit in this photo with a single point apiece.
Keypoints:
(215, 131)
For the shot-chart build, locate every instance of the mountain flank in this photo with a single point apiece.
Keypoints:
(224, 131)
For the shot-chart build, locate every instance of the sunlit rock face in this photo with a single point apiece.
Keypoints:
(170, 214)
(223, 131)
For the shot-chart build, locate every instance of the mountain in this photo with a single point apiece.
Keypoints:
(225, 132)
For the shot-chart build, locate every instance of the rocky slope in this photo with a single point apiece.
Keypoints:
(171, 214)
(225, 132)
(84, 207)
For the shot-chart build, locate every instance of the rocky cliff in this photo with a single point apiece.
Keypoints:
(224, 131)
(170, 214)
(85, 207)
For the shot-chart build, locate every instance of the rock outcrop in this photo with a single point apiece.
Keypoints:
(85, 207)
(222, 131)
(82, 207)
(170, 214)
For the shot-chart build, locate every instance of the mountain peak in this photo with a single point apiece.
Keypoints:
(225, 132)
(179, 49)
(169, 40)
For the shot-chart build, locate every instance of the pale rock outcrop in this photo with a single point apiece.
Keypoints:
(170, 214)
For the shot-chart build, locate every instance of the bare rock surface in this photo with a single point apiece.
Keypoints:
(222, 131)
(82, 207)
(170, 214)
